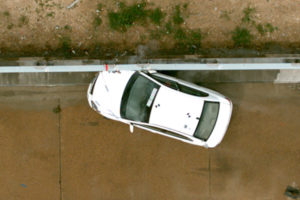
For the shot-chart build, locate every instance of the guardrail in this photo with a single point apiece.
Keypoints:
(138, 67)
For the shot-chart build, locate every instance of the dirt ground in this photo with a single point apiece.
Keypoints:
(37, 27)
(77, 154)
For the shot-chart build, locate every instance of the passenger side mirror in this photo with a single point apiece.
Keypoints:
(131, 127)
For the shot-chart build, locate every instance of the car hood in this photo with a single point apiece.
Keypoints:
(108, 91)
(175, 110)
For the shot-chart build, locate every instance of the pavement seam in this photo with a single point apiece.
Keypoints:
(209, 175)
(59, 150)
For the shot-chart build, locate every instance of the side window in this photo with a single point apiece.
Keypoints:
(191, 91)
(177, 86)
(166, 82)
(167, 132)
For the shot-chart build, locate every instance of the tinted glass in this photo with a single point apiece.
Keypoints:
(191, 91)
(166, 82)
(207, 120)
(138, 98)
(176, 86)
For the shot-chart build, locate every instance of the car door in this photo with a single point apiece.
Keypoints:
(164, 132)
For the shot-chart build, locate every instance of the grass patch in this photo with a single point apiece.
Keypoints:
(177, 17)
(271, 28)
(248, 15)
(127, 16)
(156, 16)
(97, 21)
(10, 26)
(263, 29)
(23, 20)
(185, 6)
(225, 15)
(65, 47)
(6, 13)
(180, 34)
(190, 40)
(50, 14)
(68, 27)
(196, 36)
(241, 37)
(169, 27)
(57, 109)
(99, 6)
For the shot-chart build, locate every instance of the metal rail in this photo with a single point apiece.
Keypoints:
(139, 67)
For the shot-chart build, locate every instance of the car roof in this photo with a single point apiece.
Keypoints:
(176, 110)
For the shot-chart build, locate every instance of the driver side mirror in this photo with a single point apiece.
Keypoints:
(131, 127)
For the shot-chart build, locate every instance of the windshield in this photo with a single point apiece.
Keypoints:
(138, 98)
(207, 120)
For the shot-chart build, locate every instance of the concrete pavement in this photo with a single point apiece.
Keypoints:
(77, 154)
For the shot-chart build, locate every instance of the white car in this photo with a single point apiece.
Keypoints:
(163, 105)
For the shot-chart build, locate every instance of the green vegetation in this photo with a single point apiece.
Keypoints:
(196, 36)
(177, 18)
(169, 28)
(66, 43)
(248, 15)
(50, 14)
(57, 109)
(270, 27)
(97, 21)
(127, 16)
(156, 16)
(241, 37)
(65, 46)
(67, 27)
(6, 13)
(10, 26)
(185, 6)
(180, 34)
(262, 29)
(99, 6)
(23, 20)
(189, 40)
(225, 15)
(44, 4)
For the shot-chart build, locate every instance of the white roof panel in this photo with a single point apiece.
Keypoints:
(175, 110)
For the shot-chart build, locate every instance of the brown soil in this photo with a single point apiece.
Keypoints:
(37, 27)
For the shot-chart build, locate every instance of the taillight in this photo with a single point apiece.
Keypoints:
(228, 100)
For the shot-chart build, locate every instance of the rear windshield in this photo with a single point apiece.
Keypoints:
(207, 120)
(138, 98)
